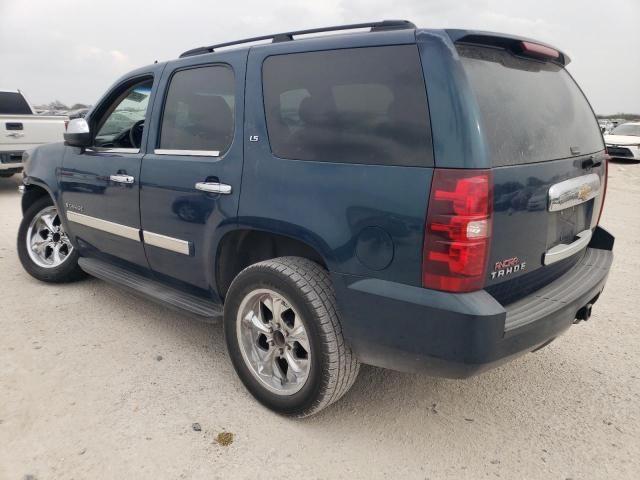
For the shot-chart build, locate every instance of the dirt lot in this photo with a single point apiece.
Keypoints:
(95, 383)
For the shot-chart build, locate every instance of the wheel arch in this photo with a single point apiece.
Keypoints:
(245, 246)
(32, 193)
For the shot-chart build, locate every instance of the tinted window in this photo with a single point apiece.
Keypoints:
(363, 105)
(531, 111)
(12, 103)
(124, 121)
(631, 129)
(198, 112)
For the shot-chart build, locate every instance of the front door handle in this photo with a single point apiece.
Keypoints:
(214, 187)
(128, 179)
(15, 135)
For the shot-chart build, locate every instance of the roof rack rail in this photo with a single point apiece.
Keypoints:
(288, 36)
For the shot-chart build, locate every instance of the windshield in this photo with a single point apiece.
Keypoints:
(627, 129)
(531, 111)
(12, 103)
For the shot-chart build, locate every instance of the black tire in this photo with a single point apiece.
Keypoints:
(68, 271)
(308, 289)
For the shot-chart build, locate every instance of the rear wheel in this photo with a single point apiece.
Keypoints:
(284, 336)
(44, 248)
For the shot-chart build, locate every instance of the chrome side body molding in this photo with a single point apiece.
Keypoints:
(168, 243)
(104, 225)
(177, 245)
(573, 192)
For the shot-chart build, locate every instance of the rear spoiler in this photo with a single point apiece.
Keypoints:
(518, 45)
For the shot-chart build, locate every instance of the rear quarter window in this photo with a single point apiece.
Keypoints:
(362, 105)
(531, 111)
(12, 103)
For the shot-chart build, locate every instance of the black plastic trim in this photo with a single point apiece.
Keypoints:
(205, 309)
(601, 239)
(384, 25)
(592, 269)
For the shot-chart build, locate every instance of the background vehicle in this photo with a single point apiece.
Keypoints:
(78, 113)
(623, 143)
(21, 129)
(351, 198)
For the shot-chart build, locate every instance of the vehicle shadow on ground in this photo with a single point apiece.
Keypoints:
(622, 161)
(10, 185)
(380, 394)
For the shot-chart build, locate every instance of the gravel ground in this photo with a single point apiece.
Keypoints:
(95, 384)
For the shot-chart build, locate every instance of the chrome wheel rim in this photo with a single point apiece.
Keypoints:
(47, 242)
(273, 341)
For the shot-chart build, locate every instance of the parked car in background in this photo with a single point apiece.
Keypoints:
(306, 191)
(78, 113)
(22, 129)
(605, 126)
(623, 142)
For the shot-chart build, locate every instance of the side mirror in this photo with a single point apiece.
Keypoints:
(78, 133)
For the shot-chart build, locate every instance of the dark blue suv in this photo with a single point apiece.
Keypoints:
(420, 200)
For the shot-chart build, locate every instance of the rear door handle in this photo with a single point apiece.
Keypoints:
(214, 187)
(128, 179)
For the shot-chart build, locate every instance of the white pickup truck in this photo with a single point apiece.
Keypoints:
(21, 129)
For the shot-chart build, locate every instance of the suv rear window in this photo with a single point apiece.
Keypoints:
(12, 103)
(359, 105)
(531, 111)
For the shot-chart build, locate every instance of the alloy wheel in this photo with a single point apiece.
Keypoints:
(273, 341)
(47, 242)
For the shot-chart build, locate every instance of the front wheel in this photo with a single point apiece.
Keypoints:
(284, 336)
(44, 248)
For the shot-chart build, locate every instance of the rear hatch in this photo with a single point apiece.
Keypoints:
(547, 158)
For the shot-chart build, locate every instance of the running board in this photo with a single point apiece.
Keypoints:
(205, 309)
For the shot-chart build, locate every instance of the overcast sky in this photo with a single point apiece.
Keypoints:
(73, 50)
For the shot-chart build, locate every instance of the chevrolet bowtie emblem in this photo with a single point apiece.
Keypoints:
(584, 191)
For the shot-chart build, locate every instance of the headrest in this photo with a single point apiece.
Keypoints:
(313, 111)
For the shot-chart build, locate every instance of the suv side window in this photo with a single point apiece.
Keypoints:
(199, 110)
(359, 105)
(122, 124)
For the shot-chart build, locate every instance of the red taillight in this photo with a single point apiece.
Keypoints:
(458, 230)
(536, 49)
(66, 124)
